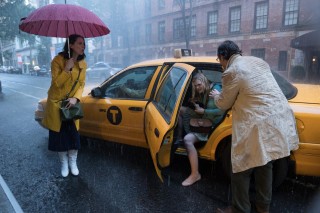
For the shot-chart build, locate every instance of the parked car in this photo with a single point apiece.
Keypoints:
(40, 71)
(43, 71)
(150, 120)
(15, 70)
(3, 69)
(100, 70)
(34, 70)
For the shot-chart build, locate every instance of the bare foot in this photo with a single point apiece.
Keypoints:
(191, 179)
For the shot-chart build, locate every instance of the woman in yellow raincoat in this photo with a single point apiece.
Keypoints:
(64, 137)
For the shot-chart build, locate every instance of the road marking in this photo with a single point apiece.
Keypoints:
(31, 96)
(26, 85)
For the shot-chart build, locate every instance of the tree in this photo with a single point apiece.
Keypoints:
(44, 55)
(187, 19)
(11, 13)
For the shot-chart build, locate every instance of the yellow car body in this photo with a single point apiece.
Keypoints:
(149, 120)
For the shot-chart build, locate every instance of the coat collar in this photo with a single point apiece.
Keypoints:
(231, 59)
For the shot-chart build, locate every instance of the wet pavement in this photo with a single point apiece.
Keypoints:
(113, 177)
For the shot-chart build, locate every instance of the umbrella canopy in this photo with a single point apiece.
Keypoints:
(63, 20)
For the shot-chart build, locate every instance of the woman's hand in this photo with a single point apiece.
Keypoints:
(72, 102)
(69, 65)
(214, 93)
(198, 109)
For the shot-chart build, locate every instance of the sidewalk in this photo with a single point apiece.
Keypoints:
(8, 204)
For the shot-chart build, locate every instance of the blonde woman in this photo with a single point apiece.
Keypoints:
(204, 107)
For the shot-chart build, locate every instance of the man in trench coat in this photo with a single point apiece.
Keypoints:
(263, 125)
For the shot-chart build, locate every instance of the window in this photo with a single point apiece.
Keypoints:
(136, 35)
(169, 92)
(260, 53)
(131, 84)
(282, 63)
(148, 8)
(235, 19)
(192, 26)
(161, 4)
(261, 15)
(178, 27)
(212, 22)
(148, 34)
(161, 31)
(291, 12)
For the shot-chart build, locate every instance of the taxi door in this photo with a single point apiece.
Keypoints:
(162, 113)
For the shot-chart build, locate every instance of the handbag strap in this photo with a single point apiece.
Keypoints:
(73, 86)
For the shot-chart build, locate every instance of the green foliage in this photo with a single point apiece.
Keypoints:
(11, 13)
(298, 72)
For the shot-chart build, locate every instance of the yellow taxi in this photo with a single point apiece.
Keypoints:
(139, 106)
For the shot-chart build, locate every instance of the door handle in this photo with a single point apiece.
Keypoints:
(139, 109)
(102, 110)
(156, 132)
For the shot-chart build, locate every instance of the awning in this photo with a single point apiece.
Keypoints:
(307, 41)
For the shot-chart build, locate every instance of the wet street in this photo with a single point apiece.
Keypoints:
(113, 177)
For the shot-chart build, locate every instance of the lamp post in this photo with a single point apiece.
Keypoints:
(2, 59)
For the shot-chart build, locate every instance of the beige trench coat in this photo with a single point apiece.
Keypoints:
(263, 124)
(61, 84)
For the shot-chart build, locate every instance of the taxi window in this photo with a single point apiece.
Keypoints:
(169, 91)
(286, 87)
(213, 76)
(130, 84)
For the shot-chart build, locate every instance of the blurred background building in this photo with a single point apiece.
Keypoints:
(283, 32)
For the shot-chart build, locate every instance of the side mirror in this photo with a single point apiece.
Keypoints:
(96, 92)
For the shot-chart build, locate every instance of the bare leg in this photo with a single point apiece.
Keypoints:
(180, 124)
(189, 141)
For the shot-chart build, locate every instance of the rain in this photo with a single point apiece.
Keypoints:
(122, 177)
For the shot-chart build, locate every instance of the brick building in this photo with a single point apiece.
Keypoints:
(264, 28)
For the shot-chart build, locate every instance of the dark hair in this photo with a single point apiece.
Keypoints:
(227, 49)
(72, 40)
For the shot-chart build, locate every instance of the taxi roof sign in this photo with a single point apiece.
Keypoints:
(178, 53)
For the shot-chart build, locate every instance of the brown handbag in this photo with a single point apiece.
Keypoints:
(200, 125)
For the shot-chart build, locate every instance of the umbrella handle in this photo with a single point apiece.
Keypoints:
(68, 48)
(69, 51)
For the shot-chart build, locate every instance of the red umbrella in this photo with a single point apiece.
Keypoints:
(62, 20)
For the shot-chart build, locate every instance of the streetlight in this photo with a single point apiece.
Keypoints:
(2, 58)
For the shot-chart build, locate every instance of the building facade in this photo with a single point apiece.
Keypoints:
(263, 28)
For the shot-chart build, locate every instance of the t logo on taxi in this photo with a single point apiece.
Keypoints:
(114, 115)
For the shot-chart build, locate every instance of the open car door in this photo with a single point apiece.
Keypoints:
(162, 113)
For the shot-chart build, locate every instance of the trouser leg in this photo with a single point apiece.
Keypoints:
(240, 183)
(263, 186)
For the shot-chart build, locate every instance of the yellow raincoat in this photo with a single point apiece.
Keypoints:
(61, 85)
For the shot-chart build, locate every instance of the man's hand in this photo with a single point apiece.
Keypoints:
(214, 93)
